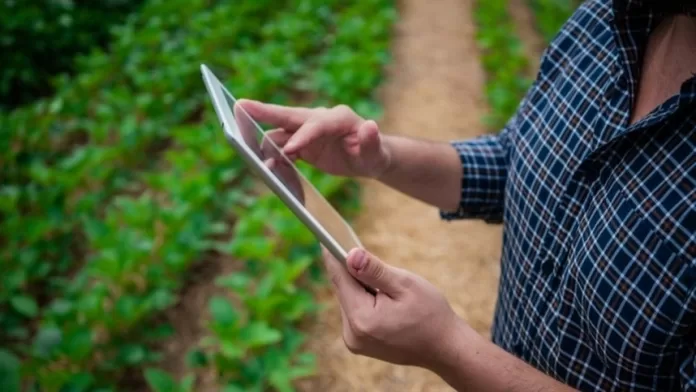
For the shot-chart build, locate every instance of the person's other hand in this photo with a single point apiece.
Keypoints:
(335, 140)
(408, 322)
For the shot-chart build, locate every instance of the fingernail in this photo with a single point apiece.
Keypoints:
(360, 259)
(248, 103)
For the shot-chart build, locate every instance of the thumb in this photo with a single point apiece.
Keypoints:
(374, 156)
(375, 273)
(369, 138)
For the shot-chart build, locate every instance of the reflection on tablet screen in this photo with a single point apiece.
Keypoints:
(263, 145)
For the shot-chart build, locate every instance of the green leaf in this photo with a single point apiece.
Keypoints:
(297, 268)
(78, 344)
(79, 383)
(232, 350)
(234, 281)
(61, 307)
(300, 372)
(281, 381)
(258, 334)
(17, 332)
(222, 311)
(196, 358)
(218, 228)
(25, 305)
(188, 382)
(233, 388)
(159, 380)
(133, 354)
(46, 340)
(160, 332)
(257, 248)
(162, 299)
(9, 372)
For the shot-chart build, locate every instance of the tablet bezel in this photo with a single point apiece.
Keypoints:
(217, 91)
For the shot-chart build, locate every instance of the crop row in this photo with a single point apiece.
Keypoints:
(120, 184)
(550, 15)
(504, 61)
(503, 58)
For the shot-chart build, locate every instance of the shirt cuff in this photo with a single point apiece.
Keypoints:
(484, 173)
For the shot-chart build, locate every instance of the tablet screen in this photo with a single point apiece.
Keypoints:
(266, 150)
(262, 145)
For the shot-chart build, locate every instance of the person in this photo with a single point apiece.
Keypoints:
(594, 180)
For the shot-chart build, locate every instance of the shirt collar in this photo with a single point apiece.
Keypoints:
(634, 20)
(655, 6)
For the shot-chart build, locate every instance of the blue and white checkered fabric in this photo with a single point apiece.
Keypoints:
(598, 275)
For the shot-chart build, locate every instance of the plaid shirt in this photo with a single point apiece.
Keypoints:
(598, 274)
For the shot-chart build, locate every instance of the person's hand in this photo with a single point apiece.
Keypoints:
(335, 140)
(408, 322)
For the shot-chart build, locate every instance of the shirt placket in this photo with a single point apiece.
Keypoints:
(557, 239)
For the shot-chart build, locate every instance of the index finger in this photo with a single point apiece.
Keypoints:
(289, 118)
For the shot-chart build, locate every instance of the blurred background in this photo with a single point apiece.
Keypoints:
(136, 252)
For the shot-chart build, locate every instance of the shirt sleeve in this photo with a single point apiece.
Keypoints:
(485, 162)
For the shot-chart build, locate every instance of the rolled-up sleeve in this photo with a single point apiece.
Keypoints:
(485, 163)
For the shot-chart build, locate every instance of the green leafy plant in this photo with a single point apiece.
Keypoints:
(41, 39)
(503, 60)
(160, 381)
(116, 187)
(9, 372)
(550, 15)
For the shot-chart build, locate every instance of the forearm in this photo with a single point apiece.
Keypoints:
(472, 363)
(425, 170)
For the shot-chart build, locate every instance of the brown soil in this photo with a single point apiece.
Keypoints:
(433, 90)
(189, 318)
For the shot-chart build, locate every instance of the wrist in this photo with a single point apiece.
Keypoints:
(459, 342)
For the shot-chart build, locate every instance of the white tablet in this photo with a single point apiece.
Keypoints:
(279, 173)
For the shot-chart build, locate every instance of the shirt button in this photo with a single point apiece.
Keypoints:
(548, 270)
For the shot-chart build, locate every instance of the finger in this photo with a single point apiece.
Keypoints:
(351, 143)
(375, 273)
(273, 141)
(247, 128)
(308, 133)
(277, 137)
(351, 295)
(365, 142)
(289, 177)
(289, 118)
(369, 139)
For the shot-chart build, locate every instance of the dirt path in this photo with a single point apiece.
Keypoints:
(434, 90)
